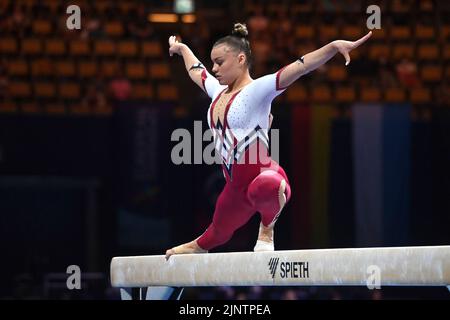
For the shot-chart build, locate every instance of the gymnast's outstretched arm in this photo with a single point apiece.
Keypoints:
(193, 66)
(315, 59)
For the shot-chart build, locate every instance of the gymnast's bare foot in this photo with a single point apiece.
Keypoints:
(190, 247)
(265, 239)
(265, 236)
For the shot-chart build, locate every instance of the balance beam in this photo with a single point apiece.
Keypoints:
(390, 266)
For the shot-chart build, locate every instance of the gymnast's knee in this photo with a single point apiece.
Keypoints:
(264, 188)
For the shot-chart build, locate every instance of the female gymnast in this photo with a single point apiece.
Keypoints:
(239, 117)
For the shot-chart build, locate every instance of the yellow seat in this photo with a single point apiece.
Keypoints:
(30, 107)
(114, 28)
(87, 69)
(379, 34)
(65, 68)
(101, 6)
(322, 94)
(142, 91)
(424, 32)
(136, 70)
(18, 68)
(104, 48)
(403, 50)
(296, 93)
(444, 32)
(151, 49)
(8, 45)
(41, 68)
(395, 95)
(345, 94)
(159, 71)
(52, 6)
(110, 68)
(127, 48)
(337, 73)
(352, 32)
(378, 50)
(370, 94)
(8, 106)
(55, 47)
(400, 33)
(426, 5)
(304, 32)
(446, 52)
(41, 27)
(79, 48)
(447, 72)
(303, 7)
(79, 109)
(420, 95)
(19, 89)
(431, 73)
(167, 92)
(31, 46)
(125, 7)
(69, 90)
(428, 52)
(44, 89)
(102, 110)
(328, 32)
(55, 108)
(401, 6)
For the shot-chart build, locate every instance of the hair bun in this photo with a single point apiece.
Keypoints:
(240, 30)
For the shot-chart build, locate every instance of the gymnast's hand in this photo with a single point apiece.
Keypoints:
(175, 46)
(344, 47)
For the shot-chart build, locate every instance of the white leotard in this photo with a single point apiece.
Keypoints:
(246, 117)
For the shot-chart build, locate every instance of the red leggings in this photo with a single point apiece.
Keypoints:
(253, 189)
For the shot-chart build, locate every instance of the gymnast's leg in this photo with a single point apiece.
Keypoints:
(268, 193)
(232, 211)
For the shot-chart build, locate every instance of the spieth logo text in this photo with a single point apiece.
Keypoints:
(288, 269)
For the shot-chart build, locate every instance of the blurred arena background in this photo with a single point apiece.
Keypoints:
(86, 118)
